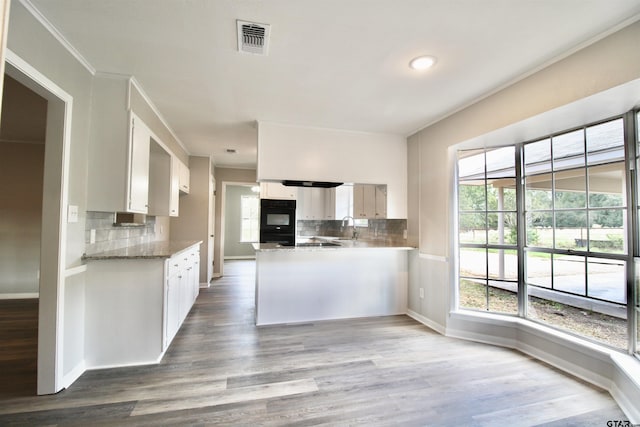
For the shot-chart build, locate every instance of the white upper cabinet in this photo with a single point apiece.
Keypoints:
(138, 176)
(131, 168)
(275, 190)
(369, 201)
(316, 203)
(184, 175)
(174, 191)
(118, 177)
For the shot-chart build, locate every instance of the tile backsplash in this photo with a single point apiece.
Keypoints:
(390, 231)
(110, 237)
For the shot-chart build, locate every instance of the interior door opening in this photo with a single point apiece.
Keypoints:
(22, 151)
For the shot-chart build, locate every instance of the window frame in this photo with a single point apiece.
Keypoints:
(631, 225)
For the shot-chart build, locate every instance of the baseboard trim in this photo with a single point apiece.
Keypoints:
(427, 322)
(75, 373)
(24, 295)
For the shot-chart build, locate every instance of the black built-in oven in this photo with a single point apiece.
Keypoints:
(278, 221)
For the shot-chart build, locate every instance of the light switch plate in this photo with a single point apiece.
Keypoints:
(72, 213)
(92, 236)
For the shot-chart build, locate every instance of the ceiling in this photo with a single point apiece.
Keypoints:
(339, 64)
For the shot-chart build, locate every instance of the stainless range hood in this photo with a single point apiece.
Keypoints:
(317, 184)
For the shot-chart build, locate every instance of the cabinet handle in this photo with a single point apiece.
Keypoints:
(179, 277)
(175, 265)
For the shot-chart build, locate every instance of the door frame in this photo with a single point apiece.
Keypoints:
(223, 196)
(54, 220)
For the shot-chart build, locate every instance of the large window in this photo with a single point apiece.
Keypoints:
(564, 211)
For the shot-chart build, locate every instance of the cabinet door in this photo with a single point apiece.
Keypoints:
(172, 315)
(184, 177)
(381, 202)
(174, 191)
(275, 190)
(139, 166)
(329, 203)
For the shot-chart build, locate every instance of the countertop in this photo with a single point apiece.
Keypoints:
(334, 244)
(146, 251)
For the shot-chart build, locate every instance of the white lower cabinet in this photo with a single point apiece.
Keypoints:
(135, 306)
(181, 290)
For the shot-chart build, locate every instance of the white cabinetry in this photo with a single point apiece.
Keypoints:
(369, 201)
(184, 176)
(118, 178)
(138, 175)
(316, 203)
(181, 291)
(174, 191)
(275, 190)
(135, 306)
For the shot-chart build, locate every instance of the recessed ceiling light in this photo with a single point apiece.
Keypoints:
(422, 62)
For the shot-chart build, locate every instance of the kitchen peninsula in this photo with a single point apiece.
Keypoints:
(136, 300)
(324, 279)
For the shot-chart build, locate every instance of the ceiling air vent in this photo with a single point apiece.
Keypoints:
(253, 37)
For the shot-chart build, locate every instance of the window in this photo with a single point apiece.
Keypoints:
(487, 225)
(570, 257)
(250, 218)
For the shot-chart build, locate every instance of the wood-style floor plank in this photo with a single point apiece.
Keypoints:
(222, 370)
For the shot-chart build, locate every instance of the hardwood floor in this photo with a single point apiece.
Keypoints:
(222, 370)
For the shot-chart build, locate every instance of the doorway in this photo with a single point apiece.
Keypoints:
(239, 221)
(22, 150)
(53, 220)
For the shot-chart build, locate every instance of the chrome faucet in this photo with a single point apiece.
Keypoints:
(354, 234)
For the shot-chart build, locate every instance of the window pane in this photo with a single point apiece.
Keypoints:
(607, 280)
(607, 231)
(473, 228)
(537, 157)
(570, 189)
(471, 164)
(568, 150)
(538, 193)
(502, 228)
(503, 264)
(605, 142)
(540, 229)
(607, 185)
(502, 194)
(539, 269)
(569, 274)
(473, 294)
(503, 297)
(501, 162)
(571, 230)
(472, 196)
(473, 262)
(556, 310)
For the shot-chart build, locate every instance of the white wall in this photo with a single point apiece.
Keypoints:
(315, 154)
(21, 171)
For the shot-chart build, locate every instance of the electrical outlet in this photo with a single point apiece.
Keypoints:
(404, 234)
(422, 293)
(72, 213)
(92, 236)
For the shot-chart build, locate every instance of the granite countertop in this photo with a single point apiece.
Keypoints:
(330, 243)
(146, 251)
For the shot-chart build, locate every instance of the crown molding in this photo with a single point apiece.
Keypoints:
(58, 35)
